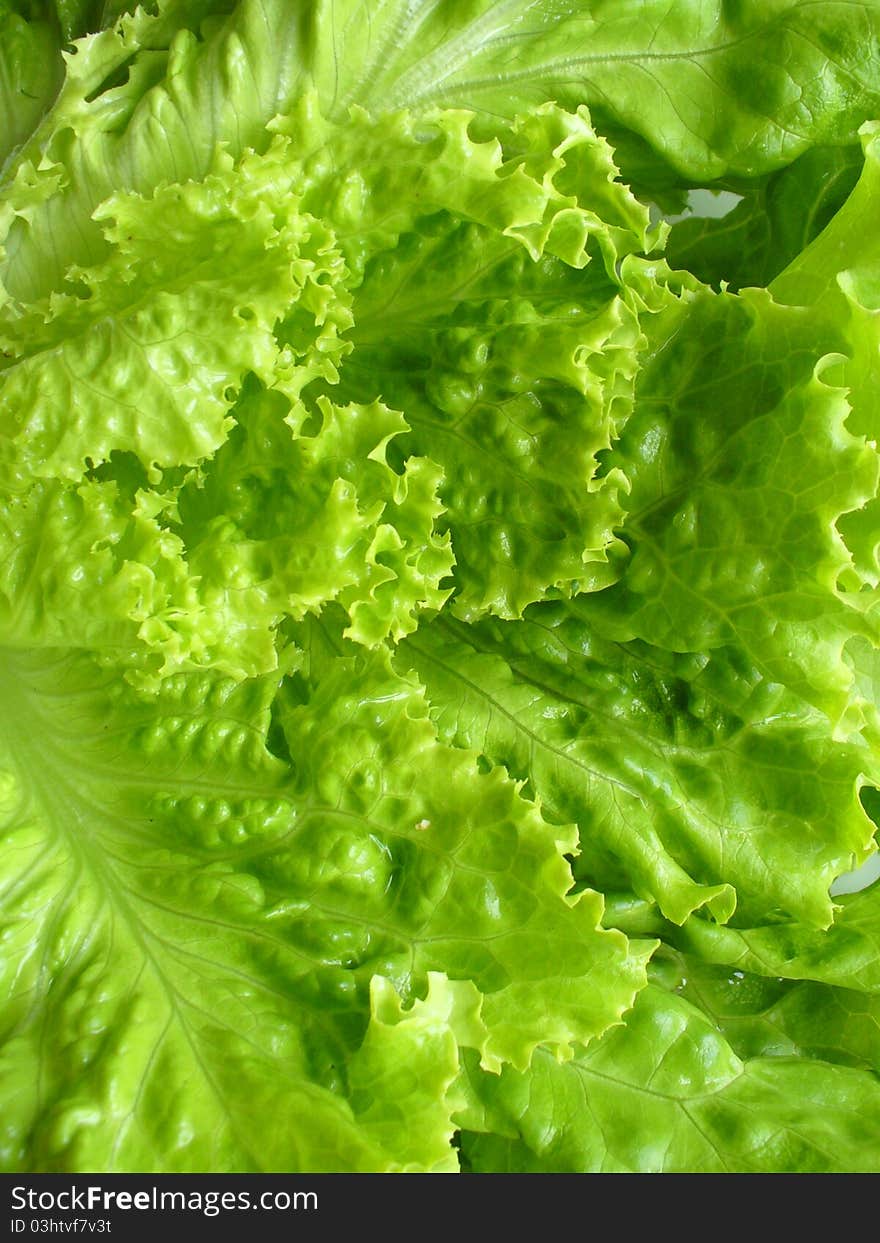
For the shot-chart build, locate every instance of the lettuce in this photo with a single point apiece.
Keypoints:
(438, 600)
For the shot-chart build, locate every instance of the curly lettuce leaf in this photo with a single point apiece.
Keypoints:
(712, 87)
(397, 552)
(204, 574)
(709, 88)
(516, 375)
(691, 779)
(302, 307)
(666, 1092)
(146, 351)
(742, 459)
(212, 915)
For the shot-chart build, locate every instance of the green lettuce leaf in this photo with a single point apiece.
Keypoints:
(848, 955)
(691, 779)
(516, 376)
(212, 915)
(765, 1016)
(684, 81)
(438, 628)
(666, 1092)
(732, 520)
(711, 86)
(30, 73)
(771, 224)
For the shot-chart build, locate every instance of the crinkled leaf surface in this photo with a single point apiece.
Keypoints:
(684, 77)
(439, 666)
(667, 1092)
(663, 73)
(208, 919)
(733, 507)
(691, 779)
